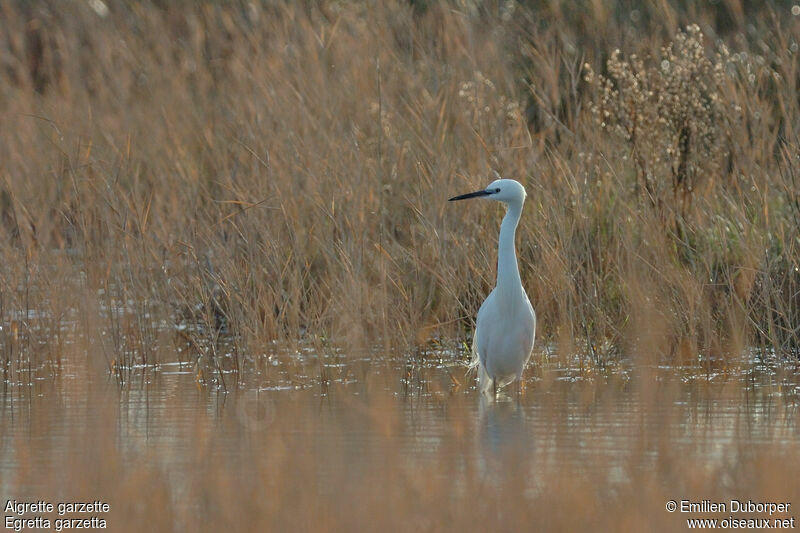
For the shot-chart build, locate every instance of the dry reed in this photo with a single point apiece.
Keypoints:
(246, 173)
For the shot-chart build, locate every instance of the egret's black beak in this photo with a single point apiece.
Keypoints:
(476, 194)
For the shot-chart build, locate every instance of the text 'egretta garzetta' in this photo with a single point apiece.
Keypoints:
(506, 323)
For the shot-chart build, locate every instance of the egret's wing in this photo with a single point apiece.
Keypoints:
(482, 326)
(532, 328)
(479, 343)
(478, 363)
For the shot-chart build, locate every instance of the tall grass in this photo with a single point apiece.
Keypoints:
(247, 172)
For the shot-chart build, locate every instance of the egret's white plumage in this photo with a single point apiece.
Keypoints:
(506, 322)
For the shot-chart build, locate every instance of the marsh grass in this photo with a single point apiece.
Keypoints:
(255, 194)
(251, 173)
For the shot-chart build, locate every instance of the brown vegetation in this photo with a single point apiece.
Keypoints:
(250, 173)
(258, 189)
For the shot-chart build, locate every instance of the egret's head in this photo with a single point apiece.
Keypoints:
(504, 190)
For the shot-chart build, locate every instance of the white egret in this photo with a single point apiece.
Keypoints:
(506, 323)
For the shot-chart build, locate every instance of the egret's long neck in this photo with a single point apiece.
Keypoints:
(507, 269)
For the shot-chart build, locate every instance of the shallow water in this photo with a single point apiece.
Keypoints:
(83, 436)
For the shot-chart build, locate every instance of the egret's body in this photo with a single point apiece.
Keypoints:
(506, 322)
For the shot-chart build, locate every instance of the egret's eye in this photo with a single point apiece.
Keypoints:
(497, 190)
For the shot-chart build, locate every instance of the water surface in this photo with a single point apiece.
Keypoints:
(167, 451)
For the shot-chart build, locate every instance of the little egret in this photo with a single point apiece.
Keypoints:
(506, 321)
